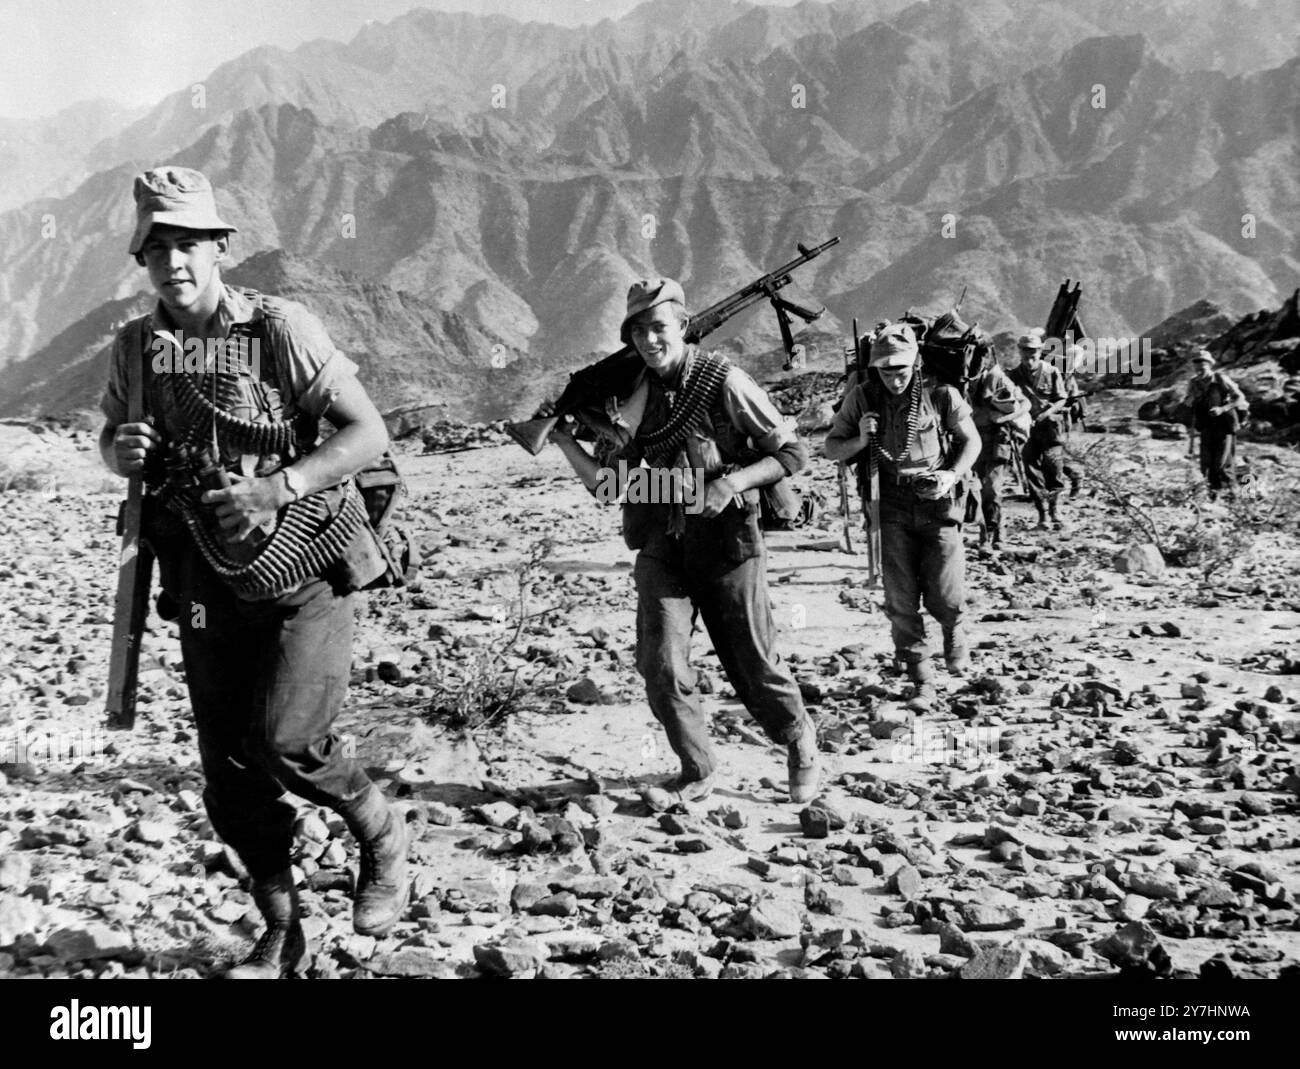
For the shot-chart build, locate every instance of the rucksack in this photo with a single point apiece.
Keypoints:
(952, 350)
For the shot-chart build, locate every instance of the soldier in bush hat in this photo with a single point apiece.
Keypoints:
(925, 445)
(228, 449)
(1216, 404)
(1001, 415)
(1044, 453)
(697, 414)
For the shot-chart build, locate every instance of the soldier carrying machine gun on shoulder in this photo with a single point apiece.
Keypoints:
(662, 404)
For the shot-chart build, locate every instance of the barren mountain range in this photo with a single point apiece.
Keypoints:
(502, 182)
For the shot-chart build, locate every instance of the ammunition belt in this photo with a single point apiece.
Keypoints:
(699, 392)
(878, 452)
(306, 539)
(305, 542)
(243, 434)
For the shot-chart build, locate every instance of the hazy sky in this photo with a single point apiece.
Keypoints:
(56, 52)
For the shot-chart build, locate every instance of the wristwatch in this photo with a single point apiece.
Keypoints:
(293, 481)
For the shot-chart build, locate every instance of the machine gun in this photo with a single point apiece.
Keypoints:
(615, 374)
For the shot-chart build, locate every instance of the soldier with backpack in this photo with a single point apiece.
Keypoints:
(1075, 411)
(1001, 415)
(1044, 454)
(924, 444)
(1216, 403)
(261, 538)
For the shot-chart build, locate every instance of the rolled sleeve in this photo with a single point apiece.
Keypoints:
(751, 411)
(309, 366)
(958, 409)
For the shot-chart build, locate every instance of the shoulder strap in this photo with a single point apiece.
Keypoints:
(135, 362)
(139, 367)
(871, 388)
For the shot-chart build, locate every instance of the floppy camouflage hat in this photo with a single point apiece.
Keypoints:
(175, 196)
(894, 346)
(645, 294)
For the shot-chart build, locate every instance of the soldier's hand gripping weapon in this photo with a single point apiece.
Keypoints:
(134, 575)
(868, 476)
(842, 468)
(869, 486)
(613, 376)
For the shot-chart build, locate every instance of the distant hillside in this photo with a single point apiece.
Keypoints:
(948, 144)
(48, 157)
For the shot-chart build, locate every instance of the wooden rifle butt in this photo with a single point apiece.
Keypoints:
(131, 607)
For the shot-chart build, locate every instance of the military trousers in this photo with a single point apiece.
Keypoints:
(716, 572)
(923, 562)
(1044, 460)
(266, 681)
(1216, 459)
(992, 467)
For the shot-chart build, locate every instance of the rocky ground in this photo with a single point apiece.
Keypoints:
(1113, 789)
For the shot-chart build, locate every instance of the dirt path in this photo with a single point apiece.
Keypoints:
(1121, 761)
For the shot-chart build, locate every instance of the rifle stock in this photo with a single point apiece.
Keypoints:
(845, 508)
(531, 433)
(131, 606)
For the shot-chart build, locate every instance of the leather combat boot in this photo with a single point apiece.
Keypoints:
(803, 764)
(282, 950)
(955, 653)
(1057, 522)
(920, 673)
(382, 884)
(995, 536)
(692, 788)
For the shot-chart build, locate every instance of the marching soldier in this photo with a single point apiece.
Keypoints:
(260, 539)
(694, 413)
(925, 444)
(1216, 403)
(1076, 408)
(1044, 454)
(1001, 414)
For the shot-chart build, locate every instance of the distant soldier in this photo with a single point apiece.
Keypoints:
(1001, 415)
(694, 412)
(1044, 454)
(229, 452)
(925, 444)
(1076, 408)
(1216, 404)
